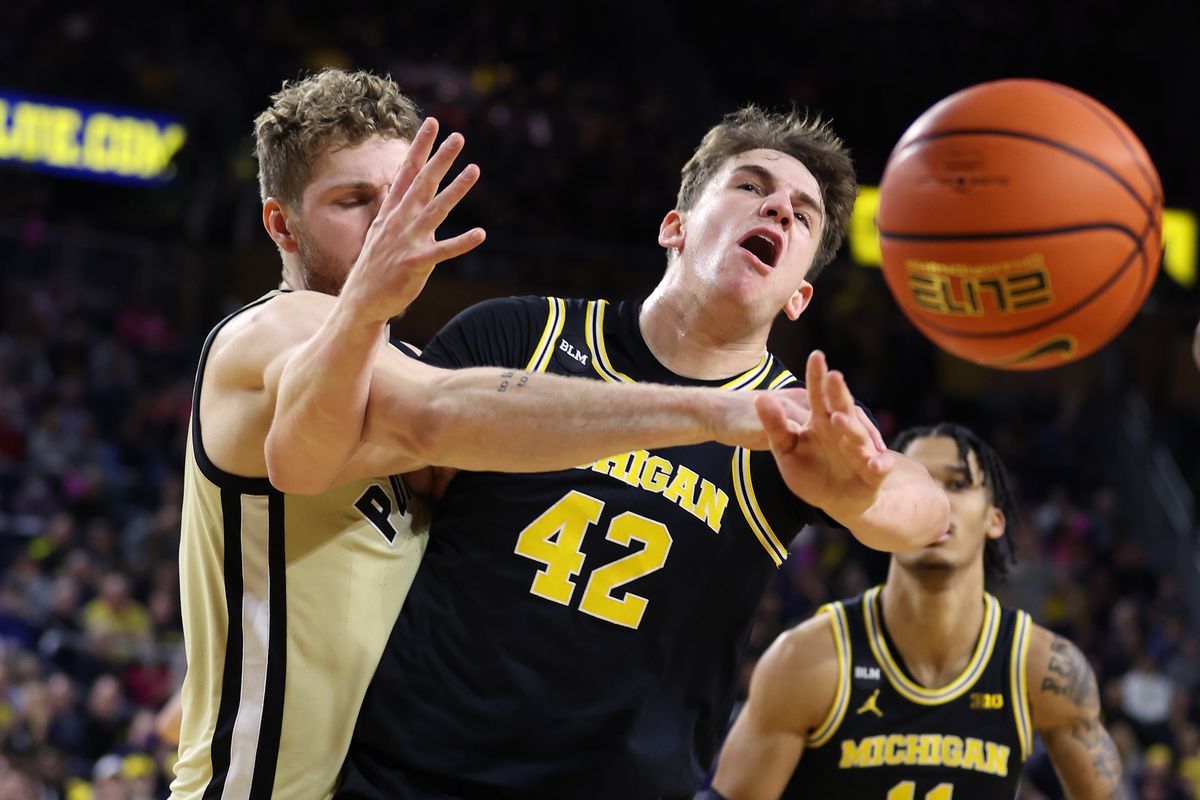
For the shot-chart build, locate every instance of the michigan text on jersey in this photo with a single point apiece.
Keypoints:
(698, 496)
(927, 750)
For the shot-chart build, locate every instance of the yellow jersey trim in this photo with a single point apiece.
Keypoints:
(743, 489)
(594, 331)
(906, 687)
(555, 321)
(841, 638)
(1020, 684)
(751, 378)
(784, 378)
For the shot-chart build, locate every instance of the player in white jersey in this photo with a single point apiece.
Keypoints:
(298, 543)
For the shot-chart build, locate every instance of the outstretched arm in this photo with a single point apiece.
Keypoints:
(286, 383)
(1065, 705)
(837, 462)
(305, 390)
(483, 418)
(792, 689)
(321, 387)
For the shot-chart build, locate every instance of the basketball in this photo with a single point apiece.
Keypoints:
(1020, 223)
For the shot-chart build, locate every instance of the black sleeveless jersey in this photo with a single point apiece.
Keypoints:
(576, 634)
(889, 738)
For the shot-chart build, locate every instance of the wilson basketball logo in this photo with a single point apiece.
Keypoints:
(971, 290)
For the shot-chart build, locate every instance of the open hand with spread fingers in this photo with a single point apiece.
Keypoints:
(401, 248)
(835, 458)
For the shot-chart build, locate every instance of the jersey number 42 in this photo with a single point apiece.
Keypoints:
(555, 539)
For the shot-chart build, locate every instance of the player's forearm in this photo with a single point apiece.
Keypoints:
(510, 420)
(909, 511)
(1086, 760)
(321, 402)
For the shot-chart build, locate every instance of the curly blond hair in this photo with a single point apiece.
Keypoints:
(331, 109)
(811, 141)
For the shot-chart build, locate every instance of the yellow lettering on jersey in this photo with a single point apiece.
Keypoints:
(656, 474)
(633, 474)
(912, 749)
(997, 759)
(973, 757)
(698, 496)
(894, 750)
(926, 750)
(711, 505)
(931, 750)
(952, 747)
(854, 754)
(605, 466)
(682, 488)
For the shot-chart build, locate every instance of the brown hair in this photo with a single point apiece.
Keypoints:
(811, 141)
(331, 109)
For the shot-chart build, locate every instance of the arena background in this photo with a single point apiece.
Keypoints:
(580, 116)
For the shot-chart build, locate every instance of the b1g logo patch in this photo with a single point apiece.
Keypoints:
(986, 701)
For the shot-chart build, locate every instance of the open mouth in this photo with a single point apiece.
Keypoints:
(761, 247)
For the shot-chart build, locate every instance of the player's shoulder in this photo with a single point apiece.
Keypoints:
(796, 681)
(259, 330)
(518, 311)
(1045, 643)
(804, 650)
(1061, 681)
(522, 304)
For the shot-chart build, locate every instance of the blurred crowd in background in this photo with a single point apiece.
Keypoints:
(580, 118)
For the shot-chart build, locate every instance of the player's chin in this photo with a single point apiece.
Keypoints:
(929, 561)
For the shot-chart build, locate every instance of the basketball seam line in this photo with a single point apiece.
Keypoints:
(1031, 233)
(1100, 165)
(1096, 107)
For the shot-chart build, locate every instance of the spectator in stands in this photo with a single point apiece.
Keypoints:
(116, 624)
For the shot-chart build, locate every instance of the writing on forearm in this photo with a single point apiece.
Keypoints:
(506, 381)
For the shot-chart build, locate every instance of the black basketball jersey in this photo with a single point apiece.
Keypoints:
(576, 634)
(889, 738)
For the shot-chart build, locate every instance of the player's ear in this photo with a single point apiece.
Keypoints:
(799, 300)
(275, 220)
(996, 523)
(670, 230)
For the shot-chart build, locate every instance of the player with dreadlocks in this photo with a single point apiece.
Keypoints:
(924, 687)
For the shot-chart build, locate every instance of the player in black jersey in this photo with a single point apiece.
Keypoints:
(926, 688)
(298, 538)
(577, 634)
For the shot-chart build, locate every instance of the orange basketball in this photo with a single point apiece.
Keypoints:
(1021, 224)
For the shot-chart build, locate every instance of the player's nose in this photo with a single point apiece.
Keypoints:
(777, 206)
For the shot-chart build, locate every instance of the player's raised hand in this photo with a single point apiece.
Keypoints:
(401, 247)
(834, 458)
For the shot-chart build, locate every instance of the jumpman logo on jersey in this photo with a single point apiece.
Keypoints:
(871, 705)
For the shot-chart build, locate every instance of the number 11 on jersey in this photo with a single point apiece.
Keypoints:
(907, 790)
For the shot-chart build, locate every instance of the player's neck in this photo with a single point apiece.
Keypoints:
(692, 340)
(934, 624)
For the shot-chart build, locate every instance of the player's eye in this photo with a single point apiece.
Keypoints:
(804, 219)
(749, 187)
(351, 202)
(958, 484)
